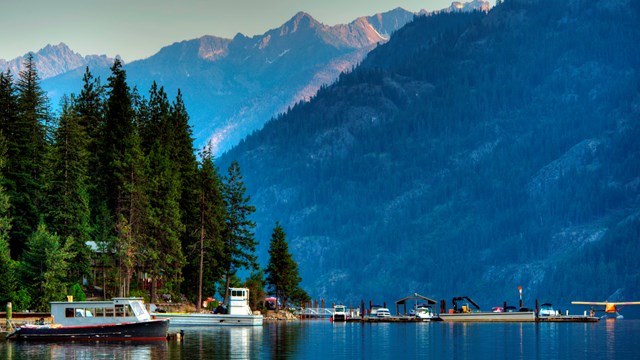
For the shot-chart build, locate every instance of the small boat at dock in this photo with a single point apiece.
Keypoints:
(121, 319)
(469, 311)
(238, 314)
(339, 313)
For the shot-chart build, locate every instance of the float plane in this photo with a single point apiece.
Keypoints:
(609, 307)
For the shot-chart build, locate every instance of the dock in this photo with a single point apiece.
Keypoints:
(392, 319)
(568, 318)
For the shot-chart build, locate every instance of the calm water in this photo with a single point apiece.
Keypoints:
(608, 339)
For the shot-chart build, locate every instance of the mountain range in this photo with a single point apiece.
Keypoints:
(231, 87)
(470, 154)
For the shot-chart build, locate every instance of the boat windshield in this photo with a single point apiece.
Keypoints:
(138, 310)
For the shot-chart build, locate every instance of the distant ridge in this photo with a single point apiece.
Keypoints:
(53, 60)
(231, 87)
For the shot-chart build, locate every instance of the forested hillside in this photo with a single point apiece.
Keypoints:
(108, 199)
(470, 154)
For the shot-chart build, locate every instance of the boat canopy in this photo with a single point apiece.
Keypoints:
(414, 297)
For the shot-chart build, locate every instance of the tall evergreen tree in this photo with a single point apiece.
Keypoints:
(68, 192)
(7, 265)
(26, 148)
(240, 243)
(124, 165)
(190, 191)
(163, 218)
(282, 271)
(205, 253)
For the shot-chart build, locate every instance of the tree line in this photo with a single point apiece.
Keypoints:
(109, 197)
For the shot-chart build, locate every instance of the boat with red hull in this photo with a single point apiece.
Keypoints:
(122, 319)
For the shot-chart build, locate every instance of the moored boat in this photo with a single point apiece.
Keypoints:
(239, 314)
(469, 311)
(339, 313)
(489, 316)
(122, 319)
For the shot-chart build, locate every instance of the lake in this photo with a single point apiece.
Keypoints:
(607, 339)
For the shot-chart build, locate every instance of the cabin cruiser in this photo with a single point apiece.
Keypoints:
(115, 320)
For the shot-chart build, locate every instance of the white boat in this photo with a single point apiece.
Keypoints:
(339, 313)
(547, 309)
(383, 313)
(239, 314)
(424, 312)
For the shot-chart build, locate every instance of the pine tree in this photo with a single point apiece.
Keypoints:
(43, 268)
(209, 247)
(240, 244)
(7, 265)
(282, 271)
(26, 149)
(163, 218)
(68, 194)
(123, 162)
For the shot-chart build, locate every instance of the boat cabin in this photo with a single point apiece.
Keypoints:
(115, 311)
(239, 301)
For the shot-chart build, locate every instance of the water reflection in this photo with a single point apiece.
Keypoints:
(322, 340)
(224, 342)
(84, 351)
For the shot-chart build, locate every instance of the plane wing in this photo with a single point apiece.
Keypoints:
(605, 303)
(589, 303)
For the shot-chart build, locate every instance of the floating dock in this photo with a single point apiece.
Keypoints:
(568, 318)
(392, 319)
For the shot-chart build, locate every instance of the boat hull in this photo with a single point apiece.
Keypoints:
(526, 316)
(152, 330)
(182, 320)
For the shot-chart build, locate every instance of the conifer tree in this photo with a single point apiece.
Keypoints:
(282, 271)
(7, 265)
(207, 250)
(239, 241)
(163, 217)
(43, 268)
(68, 195)
(124, 165)
(26, 148)
(190, 190)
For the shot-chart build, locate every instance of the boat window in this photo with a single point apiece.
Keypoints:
(108, 312)
(99, 312)
(69, 312)
(123, 310)
(137, 308)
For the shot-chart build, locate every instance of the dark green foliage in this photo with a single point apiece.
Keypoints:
(239, 242)
(124, 178)
(68, 209)
(282, 271)
(204, 249)
(77, 293)
(471, 154)
(25, 120)
(7, 265)
(44, 267)
(117, 178)
(255, 283)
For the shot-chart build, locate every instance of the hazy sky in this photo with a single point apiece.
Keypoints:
(136, 29)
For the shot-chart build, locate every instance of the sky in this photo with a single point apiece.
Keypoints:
(137, 29)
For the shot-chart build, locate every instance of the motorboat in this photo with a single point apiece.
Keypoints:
(238, 313)
(339, 313)
(121, 319)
